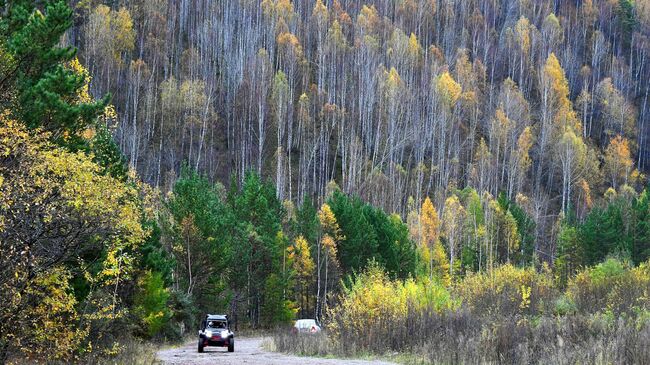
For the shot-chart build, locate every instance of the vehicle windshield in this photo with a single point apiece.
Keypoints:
(217, 324)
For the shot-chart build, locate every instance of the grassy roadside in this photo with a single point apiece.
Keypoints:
(319, 346)
(460, 338)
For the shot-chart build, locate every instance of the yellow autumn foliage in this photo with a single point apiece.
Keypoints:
(300, 256)
(429, 224)
(618, 161)
(524, 144)
(414, 48)
(448, 88)
(111, 32)
(565, 117)
(328, 222)
(440, 266)
(373, 302)
(51, 323)
(63, 203)
(508, 289)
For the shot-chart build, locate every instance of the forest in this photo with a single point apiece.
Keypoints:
(481, 163)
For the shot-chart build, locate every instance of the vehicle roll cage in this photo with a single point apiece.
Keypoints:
(215, 317)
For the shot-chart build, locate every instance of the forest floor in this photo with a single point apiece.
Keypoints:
(247, 351)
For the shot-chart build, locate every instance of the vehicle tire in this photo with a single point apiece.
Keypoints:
(200, 347)
(231, 346)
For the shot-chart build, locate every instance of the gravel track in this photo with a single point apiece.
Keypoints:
(247, 351)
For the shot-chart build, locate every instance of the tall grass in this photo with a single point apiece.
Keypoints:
(131, 351)
(459, 337)
(510, 316)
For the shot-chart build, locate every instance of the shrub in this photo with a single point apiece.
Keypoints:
(564, 306)
(612, 286)
(49, 328)
(367, 308)
(463, 337)
(508, 290)
(373, 309)
(509, 316)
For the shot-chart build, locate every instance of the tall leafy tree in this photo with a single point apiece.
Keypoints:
(306, 222)
(429, 233)
(328, 248)
(618, 161)
(525, 228)
(453, 217)
(570, 254)
(61, 220)
(641, 237)
(303, 267)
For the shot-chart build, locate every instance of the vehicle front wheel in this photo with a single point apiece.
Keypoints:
(231, 346)
(200, 346)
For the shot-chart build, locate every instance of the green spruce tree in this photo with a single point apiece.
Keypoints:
(37, 84)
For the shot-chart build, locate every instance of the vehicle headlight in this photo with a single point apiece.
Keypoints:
(208, 333)
(224, 333)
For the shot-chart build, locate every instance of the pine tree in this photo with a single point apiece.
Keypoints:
(107, 154)
(641, 243)
(307, 222)
(40, 87)
(256, 252)
(601, 235)
(570, 253)
(360, 241)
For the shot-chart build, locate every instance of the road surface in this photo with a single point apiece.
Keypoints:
(247, 351)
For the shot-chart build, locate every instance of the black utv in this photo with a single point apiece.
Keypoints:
(215, 331)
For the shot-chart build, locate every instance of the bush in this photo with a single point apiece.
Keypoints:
(564, 306)
(508, 316)
(462, 337)
(612, 286)
(373, 310)
(508, 290)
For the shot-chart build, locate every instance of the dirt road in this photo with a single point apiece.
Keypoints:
(247, 351)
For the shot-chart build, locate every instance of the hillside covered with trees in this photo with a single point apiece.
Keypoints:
(474, 168)
(543, 101)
